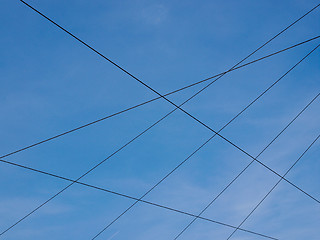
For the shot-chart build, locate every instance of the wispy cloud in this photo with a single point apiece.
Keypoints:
(112, 236)
(154, 14)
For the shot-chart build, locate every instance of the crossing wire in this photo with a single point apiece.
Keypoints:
(153, 90)
(244, 169)
(213, 135)
(179, 107)
(129, 197)
(217, 133)
(105, 160)
(255, 208)
(151, 100)
(206, 142)
(133, 198)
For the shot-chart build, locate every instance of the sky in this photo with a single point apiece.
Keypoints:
(50, 83)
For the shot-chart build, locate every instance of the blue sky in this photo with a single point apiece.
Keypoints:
(50, 83)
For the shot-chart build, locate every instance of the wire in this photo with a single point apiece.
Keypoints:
(273, 187)
(243, 170)
(73, 181)
(97, 165)
(136, 78)
(88, 185)
(151, 100)
(216, 133)
(201, 146)
(179, 106)
(126, 196)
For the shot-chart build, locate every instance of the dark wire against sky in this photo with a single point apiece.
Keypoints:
(191, 116)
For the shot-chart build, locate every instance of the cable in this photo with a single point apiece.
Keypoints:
(273, 187)
(126, 145)
(243, 170)
(201, 146)
(97, 165)
(151, 100)
(136, 78)
(53, 175)
(179, 106)
(216, 133)
(126, 196)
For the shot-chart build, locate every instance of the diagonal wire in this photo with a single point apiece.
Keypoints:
(130, 197)
(179, 106)
(273, 187)
(136, 78)
(140, 134)
(156, 92)
(201, 146)
(216, 133)
(153, 90)
(243, 170)
(129, 142)
(153, 99)
(53, 175)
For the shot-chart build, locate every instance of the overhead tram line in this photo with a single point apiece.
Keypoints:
(75, 181)
(201, 90)
(179, 107)
(172, 103)
(246, 167)
(125, 196)
(274, 186)
(206, 142)
(153, 99)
